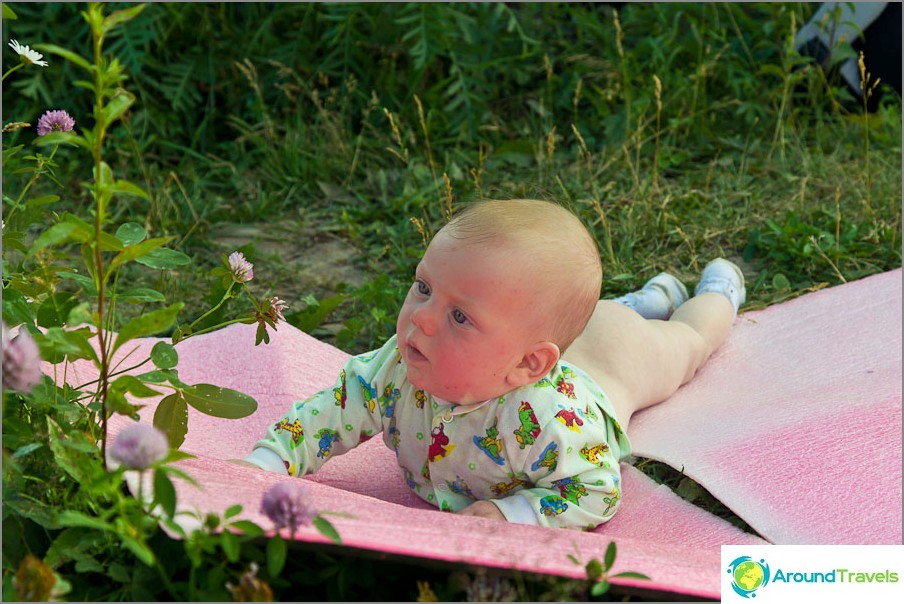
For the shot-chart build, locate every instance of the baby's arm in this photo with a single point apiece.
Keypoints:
(484, 509)
(330, 422)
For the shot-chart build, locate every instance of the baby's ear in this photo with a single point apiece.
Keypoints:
(536, 363)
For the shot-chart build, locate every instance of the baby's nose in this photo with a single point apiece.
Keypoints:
(423, 318)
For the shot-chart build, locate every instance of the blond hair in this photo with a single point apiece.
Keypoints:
(559, 255)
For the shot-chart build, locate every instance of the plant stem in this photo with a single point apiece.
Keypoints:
(34, 178)
(12, 69)
(98, 231)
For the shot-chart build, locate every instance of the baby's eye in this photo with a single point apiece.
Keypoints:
(459, 317)
(421, 288)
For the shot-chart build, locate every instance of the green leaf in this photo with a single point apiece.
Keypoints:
(171, 418)
(219, 402)
(16, 308)
(327, 529)
(160, 376)
(40, 201)
(132, 385)
(632, 575)
(56, 343)
(247, 527)
(276, 555)
(230, 545)
(780, 282)
(124, 187)
(164, 355)
(119, 17)
(610, 556)
(131, 233)
(312, 316)
(54, 311)
(165, 493)
(149, 324)
(60, 233)
(232, 511)
(140, 550)
(8, 13)
(73, 518)
(594, 569)
(66, 54)
(137, 250)
(140, 294)
(600, 588)
(118, 104)
(63, 138)
(164, 258)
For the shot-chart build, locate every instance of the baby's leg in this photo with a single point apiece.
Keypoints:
(640, 362)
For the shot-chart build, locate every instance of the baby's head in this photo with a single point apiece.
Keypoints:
(502, 290)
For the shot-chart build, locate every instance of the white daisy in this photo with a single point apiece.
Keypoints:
(28, 55)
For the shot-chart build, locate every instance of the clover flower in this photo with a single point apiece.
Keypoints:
(27, 55)
(241, 269)
(21, 361)
(55, 121)
(139, 446)
(276, 308)
(250, 588)
(284, 504)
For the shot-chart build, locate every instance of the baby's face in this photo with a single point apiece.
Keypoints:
(465, 324)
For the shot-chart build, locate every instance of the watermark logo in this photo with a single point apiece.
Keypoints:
(748, 575)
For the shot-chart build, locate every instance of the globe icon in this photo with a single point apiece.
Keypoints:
(748, 575)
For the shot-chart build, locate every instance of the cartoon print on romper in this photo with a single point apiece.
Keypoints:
(593, 454)
(570, 419)
(530, 428)
(438, 443)
(326, 439)
(571, 489)
(409, 480)
(420, 397)
(611, 502)
(549, 458)
(552, 505)
(388, 400)
(340, 393)
(370, 394)
(294, 428)
(460, 487)
(491, 444)
(395, 435)
(562, 385)
(504, 488)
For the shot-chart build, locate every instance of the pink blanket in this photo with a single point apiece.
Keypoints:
(786, 375)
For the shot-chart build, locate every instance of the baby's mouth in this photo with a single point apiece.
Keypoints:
(415, 355)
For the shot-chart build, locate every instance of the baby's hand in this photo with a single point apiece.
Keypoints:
(242, 462)
(484, 509)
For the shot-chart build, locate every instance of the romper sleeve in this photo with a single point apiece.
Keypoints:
(333, 420)
(575, 476)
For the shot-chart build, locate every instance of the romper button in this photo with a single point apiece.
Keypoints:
(442, 487)
(447, 416)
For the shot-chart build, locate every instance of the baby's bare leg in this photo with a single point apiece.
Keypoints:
(640, 362)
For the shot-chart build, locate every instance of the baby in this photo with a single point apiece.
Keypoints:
(508, 386)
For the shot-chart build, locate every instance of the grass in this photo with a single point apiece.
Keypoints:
(676, 132)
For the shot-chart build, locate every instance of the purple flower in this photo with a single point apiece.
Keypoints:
(241, 269)
(139, 446)
(21, 361)
(55, 121)
(284, 503)
(276, 308)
